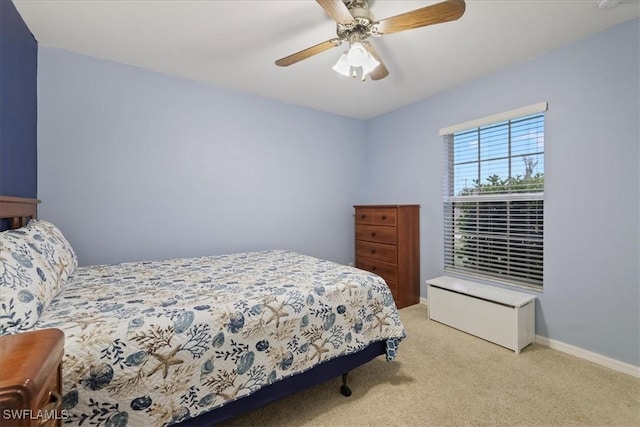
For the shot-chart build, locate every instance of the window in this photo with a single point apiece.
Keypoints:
(494, 197)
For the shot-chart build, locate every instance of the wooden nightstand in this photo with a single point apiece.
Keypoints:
(31, 378)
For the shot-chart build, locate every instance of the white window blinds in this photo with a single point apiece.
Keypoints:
(494, 199)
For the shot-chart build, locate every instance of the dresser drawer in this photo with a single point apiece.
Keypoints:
(364, 216)
(384, 216)
(376, 233)
(379, 251)
(376, 216)
(389, 272)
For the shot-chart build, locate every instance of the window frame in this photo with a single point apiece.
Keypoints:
(524, 239)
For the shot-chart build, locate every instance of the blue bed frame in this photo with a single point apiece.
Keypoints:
(320, 373)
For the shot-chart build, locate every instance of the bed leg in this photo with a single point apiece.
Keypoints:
(346, 391)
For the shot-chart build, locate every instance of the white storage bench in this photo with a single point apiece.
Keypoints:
(502, 316)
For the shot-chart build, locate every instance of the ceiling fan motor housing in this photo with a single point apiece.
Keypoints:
(362, 20)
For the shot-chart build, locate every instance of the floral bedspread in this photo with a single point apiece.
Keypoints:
(155, 343)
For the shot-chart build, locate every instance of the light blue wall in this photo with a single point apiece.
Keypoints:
(591, 295)
(139, 165)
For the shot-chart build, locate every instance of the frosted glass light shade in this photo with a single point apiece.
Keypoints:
(370, 64)
(357, 55)
(342, 66)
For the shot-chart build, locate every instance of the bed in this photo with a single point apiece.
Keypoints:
(192, 341)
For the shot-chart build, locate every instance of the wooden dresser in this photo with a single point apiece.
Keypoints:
(388, 244)
(31, 378)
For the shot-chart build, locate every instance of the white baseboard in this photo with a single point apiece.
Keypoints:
(616, 365)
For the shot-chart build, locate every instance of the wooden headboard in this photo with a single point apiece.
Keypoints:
(18, 210)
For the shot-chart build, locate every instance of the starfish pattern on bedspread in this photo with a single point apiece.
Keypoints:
(155, 343)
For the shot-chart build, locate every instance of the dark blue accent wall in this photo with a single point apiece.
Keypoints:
(18, 105)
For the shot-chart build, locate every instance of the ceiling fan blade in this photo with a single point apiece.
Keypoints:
(446, 11)
(380, 72)
(308, 52)
(337, 10)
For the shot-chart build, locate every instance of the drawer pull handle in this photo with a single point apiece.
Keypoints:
(363, 216)
(373, 268)
(373, 234)
(384, 217)
(54, 405)
(373, 251)
(55, 401)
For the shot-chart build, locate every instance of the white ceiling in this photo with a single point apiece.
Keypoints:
(234, 43)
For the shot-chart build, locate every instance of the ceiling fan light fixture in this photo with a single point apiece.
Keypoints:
(370, 64)
(342, 66)
(356, 23)
(357, 55)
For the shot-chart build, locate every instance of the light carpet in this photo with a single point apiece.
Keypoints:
(444, 377)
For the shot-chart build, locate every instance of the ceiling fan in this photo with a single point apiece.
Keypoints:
(355, 24)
